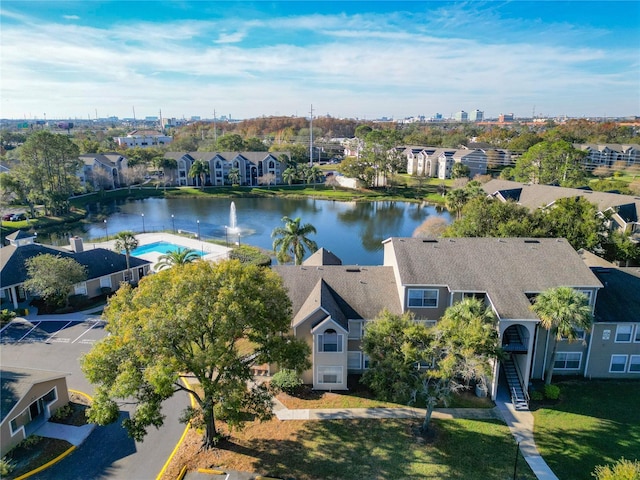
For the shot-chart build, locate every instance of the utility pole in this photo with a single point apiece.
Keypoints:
(215, 132)
(311, 138)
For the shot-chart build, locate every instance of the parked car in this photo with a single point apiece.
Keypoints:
(7, 217)
(18, 217)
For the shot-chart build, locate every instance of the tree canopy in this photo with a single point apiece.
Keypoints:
(551, 163)
(180, 256)
(212, 321)
(410, 362)
(126, 241)
(52, 276)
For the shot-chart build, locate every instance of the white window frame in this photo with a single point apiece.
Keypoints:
(636, 337)
(321, 344)
(618, 332)
(588, 293)
(105, 282)
(80, 288)
(355, 329)
(423, 291)
(566, 360)
(330, 369)
(634, 360)
(624, 366)
(353, 354)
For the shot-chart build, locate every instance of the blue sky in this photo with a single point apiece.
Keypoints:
(363, 59)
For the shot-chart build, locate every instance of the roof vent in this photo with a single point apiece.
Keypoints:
(429, 240)
(531, 241)
(353, 269)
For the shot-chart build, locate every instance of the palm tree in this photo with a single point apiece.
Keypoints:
(290, 175)
(456, 200)
(291, 240)
(562, 311)
(181, 256)
(199, 169)
(126, 241)
(234, 176)
(314, 174)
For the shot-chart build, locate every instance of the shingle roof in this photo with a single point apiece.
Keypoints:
(322, 256)
(619, 300)
(99, 261)
(356, 292)
(18, 235)
(535, 196)
(15, 383)
(505, 268)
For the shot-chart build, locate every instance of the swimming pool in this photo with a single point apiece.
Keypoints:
(161, 248)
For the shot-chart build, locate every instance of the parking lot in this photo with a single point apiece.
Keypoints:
(72, 331)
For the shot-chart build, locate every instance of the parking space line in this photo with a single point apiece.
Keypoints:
(32, 329)
(86, 331)
(58, 331)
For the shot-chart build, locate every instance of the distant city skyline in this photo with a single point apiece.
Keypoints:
(366, 60)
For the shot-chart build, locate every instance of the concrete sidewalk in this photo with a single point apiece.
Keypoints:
(74, 435)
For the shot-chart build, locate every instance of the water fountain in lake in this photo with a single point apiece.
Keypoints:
(233, 219)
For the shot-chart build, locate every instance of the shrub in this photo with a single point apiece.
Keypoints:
(6, 466)
(6, 316)
(63, 412)
(249, 254)
(30, 441)
(287, 381)
(621, 470)
(552, 392)
(537, 396)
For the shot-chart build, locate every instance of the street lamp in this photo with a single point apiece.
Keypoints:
(173, 223)
(106, 229)
(198, 222)
(143, 230)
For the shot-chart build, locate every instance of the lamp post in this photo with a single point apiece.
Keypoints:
(106, 230)
(173, 223)
(143, 230)
(198, 222)
(515, 463)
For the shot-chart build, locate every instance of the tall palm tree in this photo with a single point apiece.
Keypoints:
(291, 240)
(181, 256)
(290, 175)
(199, 169)
(127, 241)
(455, 200)
(562, 311)
(314, 174)
(234, 176)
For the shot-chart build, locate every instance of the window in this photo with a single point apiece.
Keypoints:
(81, 288)
(355, 329)
(354, 360)
(365, 361)
(476, 295)
(618, 363)
(580, 333)
(567, 361)
(587, 293)
(623, 333)
(50, 396)
(105, 282)
(637, 337)
(329, 375)
(329, 341)
(423, 298)
(634, 364)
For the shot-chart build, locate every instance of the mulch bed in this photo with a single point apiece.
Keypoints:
(27, 458)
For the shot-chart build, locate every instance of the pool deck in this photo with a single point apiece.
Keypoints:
(210, 251)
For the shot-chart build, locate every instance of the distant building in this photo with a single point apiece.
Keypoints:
(438, 162)
(143, 139)
(461, 116)
(506, 117)
(476, 116)
(102, 170)
(606, 155)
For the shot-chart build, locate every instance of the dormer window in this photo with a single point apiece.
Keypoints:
(329, 341)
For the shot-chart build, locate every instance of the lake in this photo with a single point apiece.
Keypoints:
(351, 230)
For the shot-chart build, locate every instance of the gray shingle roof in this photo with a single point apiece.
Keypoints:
(535, 196)
(15, 383)
(357, 292)
(505, 268)
(99, 261)
(322, 256)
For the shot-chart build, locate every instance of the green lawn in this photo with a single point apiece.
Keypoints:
(594, 423)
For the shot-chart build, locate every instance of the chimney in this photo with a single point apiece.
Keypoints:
(76, 244)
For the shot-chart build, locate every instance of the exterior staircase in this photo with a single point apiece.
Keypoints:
(519, 397)
(512, 341)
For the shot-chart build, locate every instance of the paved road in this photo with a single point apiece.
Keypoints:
(56, 343)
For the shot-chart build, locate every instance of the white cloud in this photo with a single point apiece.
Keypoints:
(234, 37)
(71, 17)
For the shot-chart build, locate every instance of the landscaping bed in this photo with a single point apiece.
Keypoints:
(74, 413)
(34, 452)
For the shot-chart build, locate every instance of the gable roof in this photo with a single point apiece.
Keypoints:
(15, 383)
(322, 256)
(535, 196)
(347, 292)
(505, 268)
(98, 261)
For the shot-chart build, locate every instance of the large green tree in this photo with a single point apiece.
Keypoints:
(413, 363)
(199, 169)
(291, 241)
(563, 311)
(52, 276)
(231, 142)
(552, 163)
(211, 321)
(48, 166)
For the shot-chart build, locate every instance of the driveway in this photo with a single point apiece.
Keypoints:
(56, 343)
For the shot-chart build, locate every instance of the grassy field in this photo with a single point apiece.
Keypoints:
(362, 449)
(594, 423)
